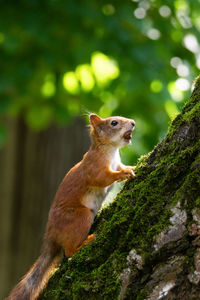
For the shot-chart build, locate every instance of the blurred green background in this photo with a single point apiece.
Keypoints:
(59, 61)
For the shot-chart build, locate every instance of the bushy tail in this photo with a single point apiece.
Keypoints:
(35, 280)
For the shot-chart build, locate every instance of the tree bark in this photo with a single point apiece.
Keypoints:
(32, 165)
(148, 243)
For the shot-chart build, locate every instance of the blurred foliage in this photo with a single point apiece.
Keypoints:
(134, 58)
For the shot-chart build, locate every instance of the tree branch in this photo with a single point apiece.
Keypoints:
(148, 243)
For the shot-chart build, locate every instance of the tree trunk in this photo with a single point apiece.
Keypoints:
(32, 166)
(148, 243)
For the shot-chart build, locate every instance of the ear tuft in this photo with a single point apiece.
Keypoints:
(94, 119)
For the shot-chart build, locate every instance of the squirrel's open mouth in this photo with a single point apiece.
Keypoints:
(127, 135)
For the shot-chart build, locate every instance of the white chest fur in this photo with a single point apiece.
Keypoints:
(115, 160)
(95, 197)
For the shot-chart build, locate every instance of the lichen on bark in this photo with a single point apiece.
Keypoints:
(148, 239)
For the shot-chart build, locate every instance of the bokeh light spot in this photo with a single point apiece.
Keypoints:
(182, 84)
(70, 83)
(144, 4)
(153, 33)
(104, 68)
(183, 70)
(156, 86)
(140, 13)
(184, 19)
(181, 5)
(176, 35)
(175, 61)
(165, 11)
(108, 9)
(198, 61)
(190, 42)
(171, 109)
(84, 74)
(175, 92)
(48, 89)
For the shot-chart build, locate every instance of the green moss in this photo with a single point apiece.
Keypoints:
(170, 173)
(197, 202)
(141, 295)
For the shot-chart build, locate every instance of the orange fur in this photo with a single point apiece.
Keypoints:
(77, 200)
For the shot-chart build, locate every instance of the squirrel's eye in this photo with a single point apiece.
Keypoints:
(114, 123)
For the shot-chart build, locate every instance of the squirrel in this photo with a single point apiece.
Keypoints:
(78, 199)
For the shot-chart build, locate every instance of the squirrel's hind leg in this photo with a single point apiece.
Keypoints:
(88, 240)
(76, 232)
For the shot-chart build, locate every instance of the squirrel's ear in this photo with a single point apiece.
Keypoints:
(94, 119)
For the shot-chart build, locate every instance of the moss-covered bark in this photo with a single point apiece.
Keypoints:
(148, 243)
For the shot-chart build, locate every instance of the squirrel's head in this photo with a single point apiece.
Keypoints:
(114, 131)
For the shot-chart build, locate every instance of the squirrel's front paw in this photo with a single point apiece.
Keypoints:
(126, 174)
(132, 168)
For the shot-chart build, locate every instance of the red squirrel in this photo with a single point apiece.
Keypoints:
(78, 199)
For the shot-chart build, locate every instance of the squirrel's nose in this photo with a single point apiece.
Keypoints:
(133, 123)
